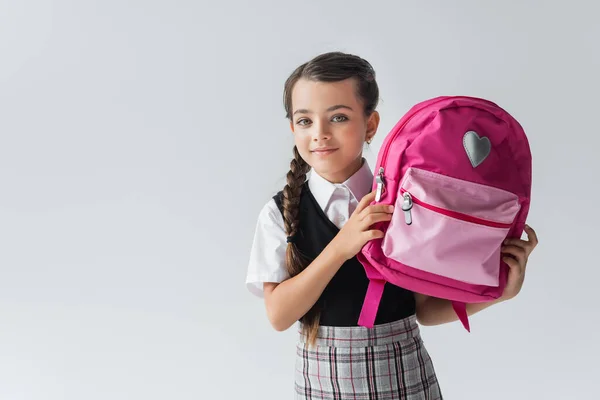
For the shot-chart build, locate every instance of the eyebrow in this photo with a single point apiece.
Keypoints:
(332, 108)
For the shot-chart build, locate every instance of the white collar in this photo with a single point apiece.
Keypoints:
(359, 185)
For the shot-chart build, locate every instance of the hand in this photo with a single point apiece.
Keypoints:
(356, 232)
(517, 253)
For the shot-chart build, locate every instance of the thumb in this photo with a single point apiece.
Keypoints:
(514, 268)
(365, 201)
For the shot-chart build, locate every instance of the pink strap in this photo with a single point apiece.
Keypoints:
(371, 303)
(461, 311)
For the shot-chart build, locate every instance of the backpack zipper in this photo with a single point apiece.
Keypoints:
(407, 205)
(410, 199)
(380, 184)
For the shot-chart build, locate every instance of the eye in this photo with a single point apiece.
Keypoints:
(339, 118)
(303, 121)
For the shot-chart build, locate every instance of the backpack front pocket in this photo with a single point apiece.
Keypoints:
(450, 227)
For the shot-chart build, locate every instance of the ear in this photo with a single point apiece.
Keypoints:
(372, 125)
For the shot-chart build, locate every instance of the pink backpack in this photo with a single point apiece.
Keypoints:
(458, 170)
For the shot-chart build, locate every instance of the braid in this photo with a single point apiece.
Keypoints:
(291, 194)
(295, 263)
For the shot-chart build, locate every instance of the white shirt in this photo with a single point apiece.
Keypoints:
(338, 201)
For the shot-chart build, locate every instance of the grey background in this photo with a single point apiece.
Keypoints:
(139, 140)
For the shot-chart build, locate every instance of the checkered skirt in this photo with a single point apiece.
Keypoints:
(387, 362)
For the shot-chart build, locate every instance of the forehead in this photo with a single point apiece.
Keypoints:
(318, 96)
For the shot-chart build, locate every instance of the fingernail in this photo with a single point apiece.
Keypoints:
(391, 208)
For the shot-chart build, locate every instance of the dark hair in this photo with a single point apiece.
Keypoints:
(327, 67)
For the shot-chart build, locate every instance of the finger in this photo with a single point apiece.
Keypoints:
(512, 262)
(513, 265)
(517, 242)
(377, 208)
(372, 219)
(373, 234)
(524, 244)
(518, 252)
(365, 201)
(531, 235)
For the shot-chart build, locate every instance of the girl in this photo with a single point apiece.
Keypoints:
(303, 257)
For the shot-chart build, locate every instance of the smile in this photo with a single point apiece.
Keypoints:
(323, 152)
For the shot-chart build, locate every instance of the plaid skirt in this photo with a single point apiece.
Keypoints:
(387, 362)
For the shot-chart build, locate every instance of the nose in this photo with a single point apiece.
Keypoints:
(321, 131)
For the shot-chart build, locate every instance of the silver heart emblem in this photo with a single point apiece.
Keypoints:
(477, 148)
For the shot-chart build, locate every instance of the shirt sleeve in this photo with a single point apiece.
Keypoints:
(267, 255)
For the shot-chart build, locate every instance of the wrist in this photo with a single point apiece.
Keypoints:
(335, 252)
(503, 298)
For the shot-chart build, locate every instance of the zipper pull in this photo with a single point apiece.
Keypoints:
(407, 205)
(380, 184)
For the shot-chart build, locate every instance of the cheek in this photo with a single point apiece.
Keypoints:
(356, 148)
(354, 138)
(301, 139)
(302, 142)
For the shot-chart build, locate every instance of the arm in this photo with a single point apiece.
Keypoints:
(289, 300)
(434, 311)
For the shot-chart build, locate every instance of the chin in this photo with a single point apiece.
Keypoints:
(328, 168)
(321, 166)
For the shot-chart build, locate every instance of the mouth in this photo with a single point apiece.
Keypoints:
(323, 151)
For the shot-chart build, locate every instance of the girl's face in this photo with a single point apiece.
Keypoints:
(330, 127)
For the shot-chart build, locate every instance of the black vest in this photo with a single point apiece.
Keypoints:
(342, 299)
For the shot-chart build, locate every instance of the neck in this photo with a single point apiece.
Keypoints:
(343, 175)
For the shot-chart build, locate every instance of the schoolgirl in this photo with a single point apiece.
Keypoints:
(303, 260)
